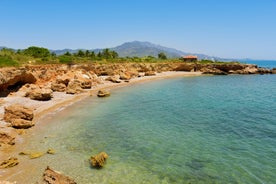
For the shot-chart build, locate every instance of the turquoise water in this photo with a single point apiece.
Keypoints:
(262, 63)
(210, 129)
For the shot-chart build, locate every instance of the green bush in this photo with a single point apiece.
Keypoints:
(7, 61)
(64, 59)
(37, 52)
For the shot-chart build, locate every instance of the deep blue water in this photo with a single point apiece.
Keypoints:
(209, 129)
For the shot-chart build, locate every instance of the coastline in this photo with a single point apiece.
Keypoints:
(59, 101)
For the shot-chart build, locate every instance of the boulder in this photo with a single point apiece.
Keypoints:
(103, 93)
(74, 87)
(51, 176)
(114, 79)
(273, 71)
(22, 124)
(7, 136)
(40, 94)
(11, 162)
(150, 73)
(60, 87)
(17, 111)
(125, 76)
(99, 159)
(13, 78)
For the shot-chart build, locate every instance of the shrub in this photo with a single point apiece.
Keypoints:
(7, 61)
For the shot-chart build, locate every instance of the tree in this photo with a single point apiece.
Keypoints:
(67, 54)
(162, 55)
(87, 53)
(37, 52)
(80, 53)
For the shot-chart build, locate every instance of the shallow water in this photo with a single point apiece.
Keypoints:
(210, 129)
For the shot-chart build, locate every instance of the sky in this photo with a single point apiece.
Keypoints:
(222, 28)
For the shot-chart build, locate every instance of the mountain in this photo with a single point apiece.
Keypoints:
(141, 49)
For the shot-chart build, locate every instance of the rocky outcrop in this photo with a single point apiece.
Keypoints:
(103, 93)
(41, 94)
(7, 136)
(11, 79)
(74, 87)
(51, 176)
(273, 71)
(99, 159)
(11, 162)
(18, 111)
(60, 87)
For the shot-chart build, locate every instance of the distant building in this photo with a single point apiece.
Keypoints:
(190, 58)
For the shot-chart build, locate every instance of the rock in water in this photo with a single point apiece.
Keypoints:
(99, 159)
(103, 93)
(11, 162)
(53, 177)
(7, 136)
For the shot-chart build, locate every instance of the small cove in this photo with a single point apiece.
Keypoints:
(211, 129)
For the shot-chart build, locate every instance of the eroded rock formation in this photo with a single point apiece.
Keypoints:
(51, 176)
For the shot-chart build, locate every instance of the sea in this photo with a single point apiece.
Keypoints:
(185, 130)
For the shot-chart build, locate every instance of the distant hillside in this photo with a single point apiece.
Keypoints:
(141, 49)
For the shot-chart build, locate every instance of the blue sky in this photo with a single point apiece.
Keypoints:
(225, 28)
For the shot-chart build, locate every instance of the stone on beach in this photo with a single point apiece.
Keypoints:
(74, 87)
(41, 94)
(11, 162)
(99, 159)
(18, 111)
(22, 123)
(103, 93)
(51, 176)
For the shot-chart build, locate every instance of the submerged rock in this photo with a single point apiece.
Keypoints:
(32, 155)
(51, 151)
(99, 159)
(11, 162)
(51, 176)
(7, 136)
(103, 93)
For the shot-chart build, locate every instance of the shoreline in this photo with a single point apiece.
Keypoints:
(61, 100)
(107, 85)
(58, 102)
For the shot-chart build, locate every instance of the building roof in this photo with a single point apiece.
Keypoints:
(190, 57)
